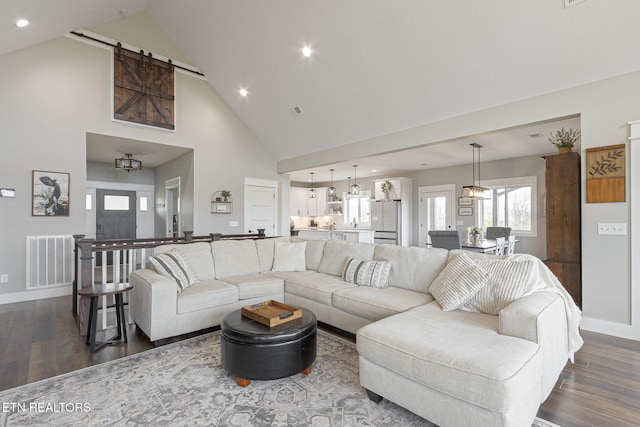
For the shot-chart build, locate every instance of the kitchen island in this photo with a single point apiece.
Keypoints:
(348, 234)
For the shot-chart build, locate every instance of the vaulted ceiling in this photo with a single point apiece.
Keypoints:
(377, 66)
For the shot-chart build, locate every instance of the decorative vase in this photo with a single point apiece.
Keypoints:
(564, 150)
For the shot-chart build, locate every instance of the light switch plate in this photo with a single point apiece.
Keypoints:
(4, 278)
(612, 228)
(233, 223)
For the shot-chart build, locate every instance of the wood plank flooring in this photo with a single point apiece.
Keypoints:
(39, 339)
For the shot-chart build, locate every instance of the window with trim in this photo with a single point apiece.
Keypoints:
(357, 208)
(512, 204)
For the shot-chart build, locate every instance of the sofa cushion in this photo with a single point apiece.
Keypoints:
(234, 257)
(460, 280)
(336, 253)
(412, 267)
(197, 255)
(256, 285)
(315, 286)
(289, 256)
(285, 275)
(173, 265)
(375, 304)
(508, 281)
(206, 294)
(265, 247)
(367, 273)
(457, 353)
(314, 251)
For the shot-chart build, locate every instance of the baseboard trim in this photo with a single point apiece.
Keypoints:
(619, 330)
(59, 291)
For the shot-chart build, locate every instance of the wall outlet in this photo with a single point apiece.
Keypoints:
(612, 228)
(233, 223)
(4, 278)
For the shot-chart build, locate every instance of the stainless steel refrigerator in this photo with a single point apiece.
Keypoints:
(385, 221)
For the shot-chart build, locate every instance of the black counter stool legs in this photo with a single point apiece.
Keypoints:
(94, 292)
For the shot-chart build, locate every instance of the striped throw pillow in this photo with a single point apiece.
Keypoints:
(367, 273)
(508, 281)
(173, 265)
(458, 282)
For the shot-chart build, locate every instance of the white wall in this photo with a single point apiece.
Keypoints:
(605, 107)
(58, 91)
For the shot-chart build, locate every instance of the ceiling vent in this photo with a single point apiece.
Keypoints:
(569, 3)
(296, 110)
(535, 135)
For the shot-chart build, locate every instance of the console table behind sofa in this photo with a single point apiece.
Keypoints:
(130, 254)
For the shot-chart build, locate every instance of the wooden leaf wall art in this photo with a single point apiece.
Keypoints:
(606, 170)
(143, 89)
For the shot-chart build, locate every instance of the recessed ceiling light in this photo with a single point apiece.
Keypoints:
(22, 23)
(306, 51)
(243, 92)
(374, 170)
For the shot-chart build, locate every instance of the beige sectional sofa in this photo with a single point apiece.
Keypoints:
(454, 368)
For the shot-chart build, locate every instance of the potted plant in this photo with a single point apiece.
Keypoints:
(564, 139)
(225, 195)
(386, 188)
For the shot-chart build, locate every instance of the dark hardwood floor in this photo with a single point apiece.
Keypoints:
(39, 340)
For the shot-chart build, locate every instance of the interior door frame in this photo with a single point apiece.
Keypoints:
(258, 182)
(171, 185)
(422, 191)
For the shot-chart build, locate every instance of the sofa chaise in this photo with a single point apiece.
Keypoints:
(443, 359)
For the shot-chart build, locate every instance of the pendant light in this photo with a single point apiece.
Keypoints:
(128, 163)
(331, 191)
(355, 188)
(347, 195)
(473, 191)
(312, 191)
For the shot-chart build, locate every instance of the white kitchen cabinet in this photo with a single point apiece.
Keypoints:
(301, 205)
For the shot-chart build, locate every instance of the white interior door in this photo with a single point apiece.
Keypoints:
(260, 209)
(436, 210)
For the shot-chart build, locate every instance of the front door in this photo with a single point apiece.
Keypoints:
(115, 215)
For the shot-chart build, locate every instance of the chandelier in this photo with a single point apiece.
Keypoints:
(474, 191)
(128, 163)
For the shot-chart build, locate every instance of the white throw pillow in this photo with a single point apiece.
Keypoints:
(289, 256)
(173, 265)
(508, 281)
(367, 273)
(458, 282)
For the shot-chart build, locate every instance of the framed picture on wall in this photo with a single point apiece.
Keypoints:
(465, 211)
(50, 193)
(462, 201)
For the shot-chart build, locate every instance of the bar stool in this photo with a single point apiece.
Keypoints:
(94, 292)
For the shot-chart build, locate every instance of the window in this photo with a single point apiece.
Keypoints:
(88, 202)
(116, 203)
(143, 203)
(358, 208)
(512, 204)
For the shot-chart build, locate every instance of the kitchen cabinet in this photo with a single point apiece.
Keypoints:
(301, 205)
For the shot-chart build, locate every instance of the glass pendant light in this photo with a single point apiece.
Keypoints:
(312, 191)
(355, 188)
(331, 191)
(473, 191)
(347, 195)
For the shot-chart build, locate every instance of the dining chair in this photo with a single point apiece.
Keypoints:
(501, 244)
(495, 232)
(511, 245)
(447, 239)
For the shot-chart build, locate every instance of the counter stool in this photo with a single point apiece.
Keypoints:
(94, 292)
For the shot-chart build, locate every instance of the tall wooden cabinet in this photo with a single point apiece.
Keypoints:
(564, 255)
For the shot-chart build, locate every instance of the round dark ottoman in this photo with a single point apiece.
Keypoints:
(252, 351)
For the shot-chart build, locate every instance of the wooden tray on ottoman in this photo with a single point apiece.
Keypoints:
(271, 313)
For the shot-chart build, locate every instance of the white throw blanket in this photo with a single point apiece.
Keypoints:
(543, 280)
(546, 281)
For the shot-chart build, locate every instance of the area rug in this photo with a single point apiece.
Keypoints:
(183, 384)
